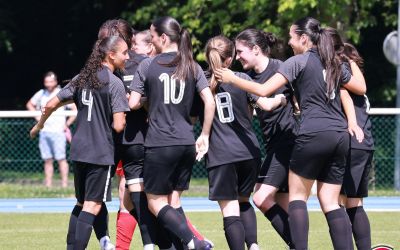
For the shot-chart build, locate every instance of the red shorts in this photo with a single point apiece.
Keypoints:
(120, 170)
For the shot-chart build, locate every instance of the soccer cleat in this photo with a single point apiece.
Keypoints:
(203, 245)
(209, 242)
(254, 246)
(105, 244)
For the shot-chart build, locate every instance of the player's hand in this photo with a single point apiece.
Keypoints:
(356, 131)
(201, 146)
(34, 131)
(224, 75)
(282, 99)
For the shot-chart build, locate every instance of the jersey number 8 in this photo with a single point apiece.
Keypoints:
(224, 107)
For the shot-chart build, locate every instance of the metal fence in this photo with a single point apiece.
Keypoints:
(20, 157)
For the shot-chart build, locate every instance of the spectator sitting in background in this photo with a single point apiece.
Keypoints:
(52, 139)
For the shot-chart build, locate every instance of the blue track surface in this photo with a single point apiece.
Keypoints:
(189, 204)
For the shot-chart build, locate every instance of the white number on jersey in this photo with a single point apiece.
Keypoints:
(224, 103)
(88, 102)
(170, 89)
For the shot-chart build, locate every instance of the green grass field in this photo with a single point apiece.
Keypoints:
(48, 231)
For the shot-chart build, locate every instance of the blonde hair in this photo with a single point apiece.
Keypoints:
(218, 49)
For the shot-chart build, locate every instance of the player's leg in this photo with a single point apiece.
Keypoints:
(273, 177)
(133, 159)
(126, 223)
(308, 158)
(223, 187)
(165, 162)
(79, 183)
(355, 186)
(247, 172)
(329, 185)
(96, 185)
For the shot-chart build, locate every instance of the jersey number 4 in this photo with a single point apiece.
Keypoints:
(88, 100)
(224, 107)
(170, 89)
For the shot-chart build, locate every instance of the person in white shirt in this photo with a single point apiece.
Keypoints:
(52, 139)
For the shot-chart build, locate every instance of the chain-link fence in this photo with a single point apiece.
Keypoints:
(20, 157)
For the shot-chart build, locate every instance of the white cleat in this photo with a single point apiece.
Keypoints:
(105, 244)
(254, 246)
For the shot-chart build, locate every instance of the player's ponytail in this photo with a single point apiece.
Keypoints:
(266, 41)
(320, 37)
(184, 62)
(87, 77)
(218, 49)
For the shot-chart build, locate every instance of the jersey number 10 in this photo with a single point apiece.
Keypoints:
(170, 89)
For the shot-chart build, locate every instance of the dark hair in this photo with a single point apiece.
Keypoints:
(322, 39)
(218, 49)
(87, 77)
(183, 61)
(351, 52)
(116, 27)
(50, 74)
(252, 37)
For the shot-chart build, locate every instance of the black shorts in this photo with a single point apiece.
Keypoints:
(355, 183)
(229, 181)
(321, 156)
(275, 167)
(92, 181)
(168, 168)
(132, 157)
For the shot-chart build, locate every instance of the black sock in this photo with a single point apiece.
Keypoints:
(234, 232)
(339, 229)
(72, 226)
(173, 221)
(249, 220)
(176, 242)
(146, 220)
(83, 230)
(279, 220)
(298, 223)
(100, 224)
(361, 228)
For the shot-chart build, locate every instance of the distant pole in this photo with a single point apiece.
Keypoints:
(397, 153)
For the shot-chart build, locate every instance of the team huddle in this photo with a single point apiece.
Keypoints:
(137, 102)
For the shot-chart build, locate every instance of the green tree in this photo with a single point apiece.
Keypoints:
(353, 18)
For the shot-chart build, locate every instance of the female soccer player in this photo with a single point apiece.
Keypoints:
(322, 141)
(253, 49)
(170, 81)
(355, 183)
(101, 102)
(143, 44)
(233, 159)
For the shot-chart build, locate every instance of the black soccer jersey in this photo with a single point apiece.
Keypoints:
(232, 138)
(278, 123)
(92, 141)
(361, 106)
(170, 101)
(318, 111)
(136, 120)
